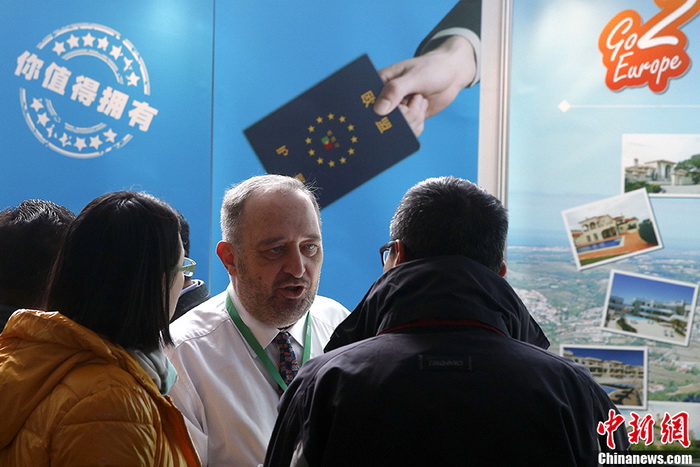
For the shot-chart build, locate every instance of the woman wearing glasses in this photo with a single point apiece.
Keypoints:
(84, 385)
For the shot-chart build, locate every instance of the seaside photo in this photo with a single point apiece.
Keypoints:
(612, 229)
(649, 307)
(662, 164)
(621, 371)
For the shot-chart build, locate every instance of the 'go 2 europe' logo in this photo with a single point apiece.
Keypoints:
(638, 53)
(84, 90)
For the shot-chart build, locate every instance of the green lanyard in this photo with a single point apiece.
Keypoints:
(259, 351)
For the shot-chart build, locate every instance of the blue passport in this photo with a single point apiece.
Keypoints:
(330, 138)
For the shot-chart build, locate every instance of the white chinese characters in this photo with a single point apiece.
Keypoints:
(93, 68)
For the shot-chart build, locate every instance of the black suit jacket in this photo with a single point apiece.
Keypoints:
(465, 14)
(190, 299)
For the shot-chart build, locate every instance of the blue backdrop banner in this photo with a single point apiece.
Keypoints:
(268, 52)
(98, 96)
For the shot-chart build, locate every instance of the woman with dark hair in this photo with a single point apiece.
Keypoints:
(85, 385)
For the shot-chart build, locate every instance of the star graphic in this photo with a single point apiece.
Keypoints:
(354, 139)
(116, 52)
(127, 63)
(88, 40)
(110, 135)
(330, 116)
(102, 44)
(351, 127)
(49, 130)
(342, 119)
(343, 160)
(80, 144)
(351, 151)
(133, 79)
(319, 161)
(73, 41)
(36, 104)
(43, 119)
(59, 48)
(311, 129)
(312, 152)
(308, 140)
(319, 119)
(331, 164)
(64, 140)
(95, 142)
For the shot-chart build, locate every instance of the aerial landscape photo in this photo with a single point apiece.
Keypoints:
(568, 305)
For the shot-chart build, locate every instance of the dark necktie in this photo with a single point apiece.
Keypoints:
(288, 364)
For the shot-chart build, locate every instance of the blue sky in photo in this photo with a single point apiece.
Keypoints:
(630, 287)
(626, 356)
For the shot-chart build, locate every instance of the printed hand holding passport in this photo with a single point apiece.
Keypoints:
(330, 137)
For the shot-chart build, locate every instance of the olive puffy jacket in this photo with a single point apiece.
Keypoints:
(69, 397)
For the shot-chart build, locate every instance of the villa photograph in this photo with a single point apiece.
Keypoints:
(621, 371)
(650, 307)
(664, 165)
(612, 229)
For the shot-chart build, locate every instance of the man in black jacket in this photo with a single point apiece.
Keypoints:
(194, 291)
(441, 363)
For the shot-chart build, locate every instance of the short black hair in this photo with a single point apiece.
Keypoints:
(30, 236)
(184, 233)
(114, 272)
(451, 216)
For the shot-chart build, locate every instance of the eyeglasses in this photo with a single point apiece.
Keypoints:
(187, 267)
(385, 251)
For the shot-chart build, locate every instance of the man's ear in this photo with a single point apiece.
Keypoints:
(503, 270)
(227, 254)
(400, 252)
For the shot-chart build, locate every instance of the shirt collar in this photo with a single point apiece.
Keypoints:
(195, 283)
(262, 332)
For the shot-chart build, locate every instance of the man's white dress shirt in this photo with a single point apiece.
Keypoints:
(227, 396)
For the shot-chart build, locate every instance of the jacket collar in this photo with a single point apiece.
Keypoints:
(444, 288)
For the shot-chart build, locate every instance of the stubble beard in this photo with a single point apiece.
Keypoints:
(272, 310)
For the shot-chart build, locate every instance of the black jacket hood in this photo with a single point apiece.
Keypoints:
(444, 288)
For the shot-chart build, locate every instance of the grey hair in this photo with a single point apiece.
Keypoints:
(236, 196)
